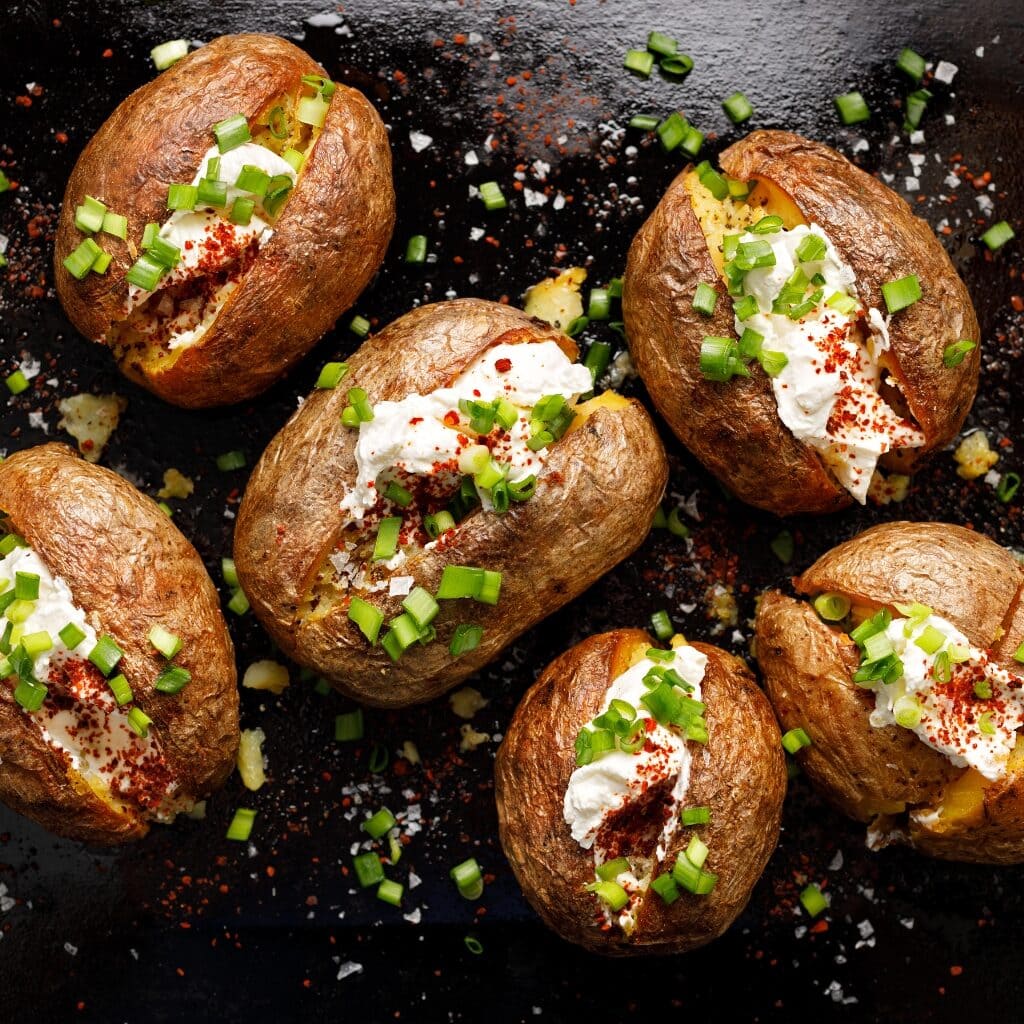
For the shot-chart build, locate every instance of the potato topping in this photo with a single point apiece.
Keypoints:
(250, 758)
(90, 420)
(974, 456)
(266, 675)
(176, 485)
(467, 702)
(557, 299)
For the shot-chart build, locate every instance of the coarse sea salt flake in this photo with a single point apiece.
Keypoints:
(419, 140)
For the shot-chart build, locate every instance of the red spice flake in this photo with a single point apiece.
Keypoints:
(107, 53)
(503, 365)
(459, 39)
(61, 137)
(956, 970)
(23, 101)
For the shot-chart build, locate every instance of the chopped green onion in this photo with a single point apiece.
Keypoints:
(165, 641)
(239, 603)
(26, 586)
(662, 44)
(30, 694)
(102, 263)
(665, 886)
(71, 636)
(369, 870)
(917, 101)
(139, 722)
(813, 900)
(459, 581)
(120, 689)
(398, 494)
(645, 122)
(390, 892)
(359, 326)
(36, 643)
(379, 824)
(832, 607)
(719, 359)
(150, 232)
(662, 625)
(738, 108)
(168, 53)
(795, 739)
(998, 235)
(811, 249)
(852, 108)
(229, 572)
(386, 543)
(241, 825)
(89, 216)
(941, 667)
(953, 355)
(985, 725)
(358, 400)
(164, 253)
(758, 253)
(907, 711)
(982, 689)
(212, 193)
(902, 292)
(599, 355)
(468, 878)
(930, 640)
(912, 64)
(82, 258)
(611, 894)
(696, 851)
(466, 638)
(842, 303)
(782, 546)
(599, 306)
(106, 654)
(676, 64)
(744, 309)
(692, 141)
(712, 180)
(676, 526)
(704, 299)
(311, 110)
(277, 192)
(416, 249)
(229, 461)
(611, 869)
(695, 816)
(116, 225)
(693, 878)
(368, 618)
(294, 159)
(181, 197)
(437, 523)
(322, 85)
(672, 131)
(252, 179)
(349, 726)
(773, 363)
(172, 679)
(522, 490)
(331, 375)
(10, 541)
(640, 62)
(1008, 485)
(421, 605)
(231, 132)
(491, 194)
(145, 273)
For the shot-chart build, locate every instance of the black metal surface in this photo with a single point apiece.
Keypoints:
(188, 923)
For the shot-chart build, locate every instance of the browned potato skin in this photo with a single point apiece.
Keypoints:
(969, 580)
(129, 568)
(734, 428)
(593, 506)
(740, 774)
(328, 242)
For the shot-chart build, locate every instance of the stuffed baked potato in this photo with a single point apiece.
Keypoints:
(223, 217)
(448, 459)
(639, 793)
(119, 705)
(901, 663)
(795, 324)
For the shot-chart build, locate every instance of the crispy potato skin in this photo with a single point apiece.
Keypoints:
(129, 568)
(734, 428)
(740, 774)
(328, 241)
(593, 506)
(807, 667)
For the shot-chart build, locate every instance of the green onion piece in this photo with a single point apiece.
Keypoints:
(738, 108)
(166, 54)
(322, 85)
(665, 886)
(106, 654)
(672, 131)
(458, 581)
(692, 141)
(277, 122)
(692, 878)
(466, 638)
(661, 44)
(985, 725)
(378, 758)
(505, 413)
(611, 869)
(239, 603)
(953, 355)
(102, 263)
(662, 625)
(522, 490)
(331, 375)
(930, 640)
(611, 894)
(842, 303)
(941, 667)
(912, 64)
(782, 546)
(907, 711)
(421, 605)
(231, 132)
(902, 292)
(392, 644)
(811, 249)
(744, 309)
(164, 641)
(758, 253)
(5, 182)
(813, 900)
(311, 110)
(379, 824)
(30, 694)
(82, 258)
(241, 825)
(10, 541)
(390, 892)
(769, 225)
(852, 108)
(181, 197)
(230, 460)
(1008, 485)
(832, 607)
(599, 355)
(164, 253)
(349, 726)
(678, 64)
(795, 739)
(676, 526)
(89, 216)
(26, 586)
(229, 572)
(773, 363)
(358, 400)
(712, 180)
(640, 62)
(120, 689)
(145, 273)
(212, 193)
(368, 618)
(695, 815)
(645, 122)
(398, 494)
(386, 544)
(416, 249)
(576, 325)
(19, 611)
(349, 417)
(16, 383)
(437, 523)
(252, 179)
(599, 306)
(982, 689)
(294, 158)
(114, 224)
(468, 878)
(71, 636)
(696, 851)
(150, 232)
(369, 870)
(277, 192)
(490, 587)
(719, 359)
(139, 722)
(917, 101)
(359, 326)
(491, 194)
(172, 679)
(36, 643)
(213, 169)
(998, 235)
(704, 299)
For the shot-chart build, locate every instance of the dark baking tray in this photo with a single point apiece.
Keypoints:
(188, 924)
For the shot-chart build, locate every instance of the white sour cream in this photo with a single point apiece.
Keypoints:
(422, 435)
(827, 394)
(950, 713)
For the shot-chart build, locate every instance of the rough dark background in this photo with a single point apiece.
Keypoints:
(187, 923)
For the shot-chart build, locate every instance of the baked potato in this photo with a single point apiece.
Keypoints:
(637, 821)
(900, 660)
(278, 183)
(753, 302)
(119, 704)
(452, 460)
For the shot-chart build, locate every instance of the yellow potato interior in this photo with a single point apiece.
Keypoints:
(720, 217)
(606, 400)
(963, 800)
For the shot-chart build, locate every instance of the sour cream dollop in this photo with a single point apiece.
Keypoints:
(827, 393)
(422, 435)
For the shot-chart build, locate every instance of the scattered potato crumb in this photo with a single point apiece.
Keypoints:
(176, 485)
(471, 739)
(410, 752)
(90, 420)
(266, 675)
(885, 490)
(678, 640)
(557, 299)
(974, 456)
(250, 758)
(722, 604)
(467, 702)
(198, 811)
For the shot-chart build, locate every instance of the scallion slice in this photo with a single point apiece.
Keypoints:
(81, 259)
(311, 110)
(645, 122)
(953, 355)
(358, 400)
(145, 273)
(640, 62)
(416, 249)
(672, 131)
(421, 605)
(678, 64)
(115, 224)
(180, 197)
(1006, 489)
(600, 305)
(795, 739)
(665, 886)
(911, 64)
(398, 494)
(106, 654)
(241, 825)
(349, 726)
(852, 108)
(331, 375)
(738, 108)
(166, 54)
(662, 625)
(139, 722)
(902, 292)
(704, 299)
(695, 816)
(998, 235)
(368, 618)
(231, 132)
(832, 607)
(212, 193)
(165, 641)
(813, 900)
(469, 879)
(239, 603)
(71, 636)
(379, 824)
(369, 870)
(492, 196)
(466, 638)
(386, 543)
(390, 892)
(120, 689)
(252, 179)
(228, 461)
